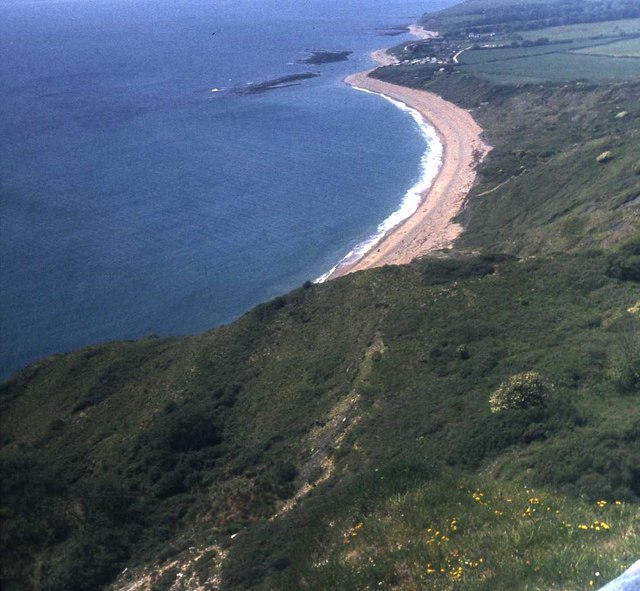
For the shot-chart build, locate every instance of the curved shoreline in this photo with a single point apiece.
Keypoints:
(431, 226)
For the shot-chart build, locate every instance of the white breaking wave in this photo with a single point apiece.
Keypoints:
(430, 164)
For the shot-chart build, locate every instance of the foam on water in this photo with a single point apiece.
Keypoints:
(430, 164)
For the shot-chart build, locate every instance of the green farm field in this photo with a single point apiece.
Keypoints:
(586, 30)
(500, 54)
(557, 67)
(626, 48)
(602, 58)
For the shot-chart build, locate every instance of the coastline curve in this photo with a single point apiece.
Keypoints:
(430, 164)
(429, 226)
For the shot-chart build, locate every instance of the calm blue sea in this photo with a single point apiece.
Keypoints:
(136, 201)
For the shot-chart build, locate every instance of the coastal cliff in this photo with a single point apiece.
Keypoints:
(467, 419)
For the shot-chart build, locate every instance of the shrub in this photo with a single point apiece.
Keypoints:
(463, 352)
(269, 309)
(439, 271)
(624, 264)
(191, 432)
(624, 369)
(522, 390)
(490, 435)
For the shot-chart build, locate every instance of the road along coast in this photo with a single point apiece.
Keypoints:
(431, 227)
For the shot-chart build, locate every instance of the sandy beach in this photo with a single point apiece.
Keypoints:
(431, 227)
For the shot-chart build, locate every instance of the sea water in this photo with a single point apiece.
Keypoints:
(430, 164)
(139, 194)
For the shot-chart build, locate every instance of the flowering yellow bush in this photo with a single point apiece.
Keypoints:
(605, 156)
(522, 390)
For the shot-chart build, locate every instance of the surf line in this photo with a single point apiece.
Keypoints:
(430, 165)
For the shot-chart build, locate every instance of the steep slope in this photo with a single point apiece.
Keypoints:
(122, 454)
(542, 188)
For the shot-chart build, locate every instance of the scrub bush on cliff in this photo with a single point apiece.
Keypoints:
(522, 390)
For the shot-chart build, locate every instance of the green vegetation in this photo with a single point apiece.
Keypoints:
(506, 16)
(540, 61)
(511, 43)
(626, 48)
(540, 70)
(514, 60)
(344, 435)
(542, 188)
(586, 30)
(211, 435)
(459, 543)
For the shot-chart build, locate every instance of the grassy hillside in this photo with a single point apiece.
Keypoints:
(546, 187)
(120, 454)
(564, 174)
(468, 422)
(530, 42)
(504, 16)
(543, 187)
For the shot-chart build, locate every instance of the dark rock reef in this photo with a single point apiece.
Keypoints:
(280, 82)
(321, 56)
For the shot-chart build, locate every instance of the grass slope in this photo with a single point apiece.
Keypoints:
(121, 454)
(528, 42)
(505, 16)
(542, 188)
